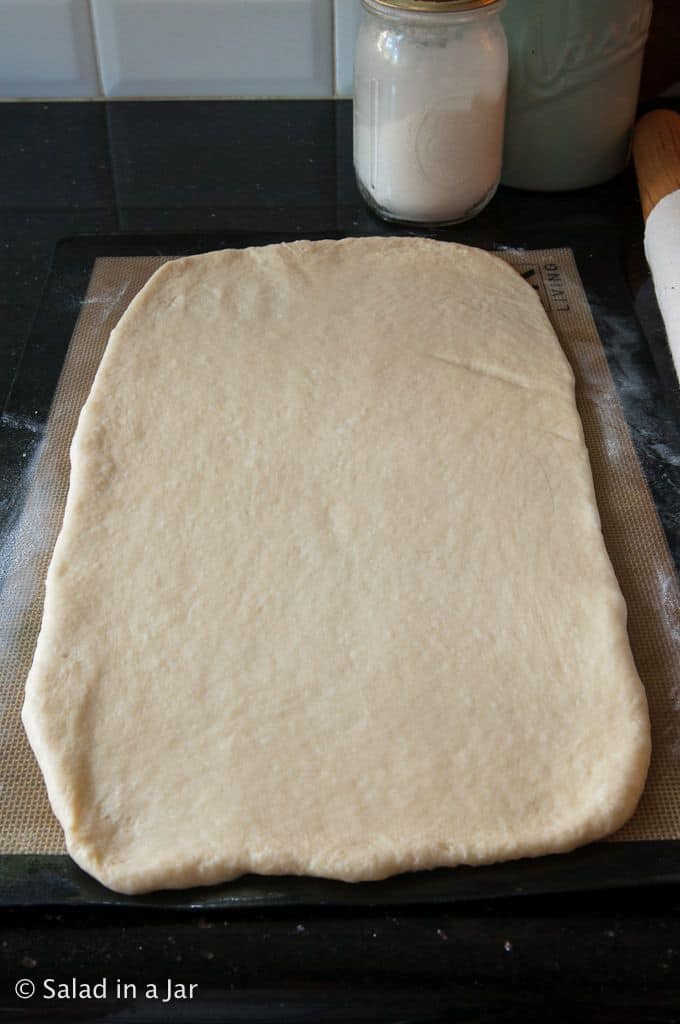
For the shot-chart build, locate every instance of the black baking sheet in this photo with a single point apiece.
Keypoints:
(635, 349)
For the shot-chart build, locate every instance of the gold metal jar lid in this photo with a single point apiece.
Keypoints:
(438, 6)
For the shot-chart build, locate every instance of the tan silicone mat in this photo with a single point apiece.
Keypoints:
(632, 530)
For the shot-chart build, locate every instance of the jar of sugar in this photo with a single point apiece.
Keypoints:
(430, 82)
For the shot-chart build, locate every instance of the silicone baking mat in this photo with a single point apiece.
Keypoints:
(30, 837)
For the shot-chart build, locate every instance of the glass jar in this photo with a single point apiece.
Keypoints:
(430, 82)
(574, 78)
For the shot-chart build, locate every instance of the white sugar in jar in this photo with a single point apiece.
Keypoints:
(430, 83)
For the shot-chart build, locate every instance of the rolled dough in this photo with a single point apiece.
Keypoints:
(331, 595)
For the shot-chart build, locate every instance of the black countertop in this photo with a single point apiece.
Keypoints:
(286, 167)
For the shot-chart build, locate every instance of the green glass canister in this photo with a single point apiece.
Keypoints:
(574, 80)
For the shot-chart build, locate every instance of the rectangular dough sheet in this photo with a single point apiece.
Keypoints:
(331, 595)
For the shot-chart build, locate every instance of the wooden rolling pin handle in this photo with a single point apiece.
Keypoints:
(656, 152)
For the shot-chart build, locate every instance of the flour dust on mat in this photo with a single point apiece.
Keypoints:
(331, 595)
